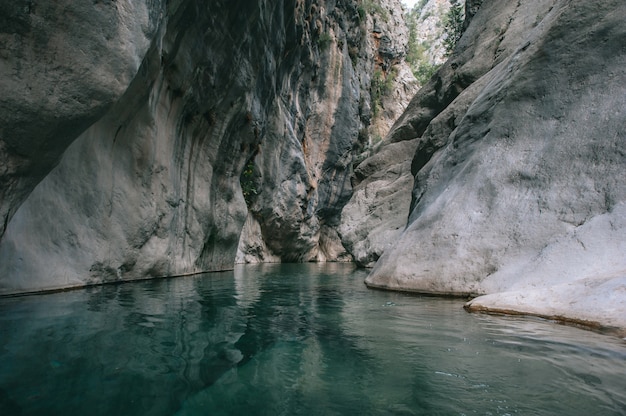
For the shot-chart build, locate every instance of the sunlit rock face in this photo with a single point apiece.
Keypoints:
(518, 173)
(128, 126)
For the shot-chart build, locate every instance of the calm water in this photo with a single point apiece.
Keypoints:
(292, 340)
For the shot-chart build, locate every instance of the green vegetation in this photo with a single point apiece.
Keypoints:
(248, 186)
(381, 85)
(416, 56)
(419, 7)
(453, 26)
(372, 7)
(362, 13)
(324, 40)
(424, 72)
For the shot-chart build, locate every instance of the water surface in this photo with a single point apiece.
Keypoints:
(292, 340)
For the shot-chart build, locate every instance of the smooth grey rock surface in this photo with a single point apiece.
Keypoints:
(62, 65)
(369, 224)
(376, 214)
(141, 192)
(527, 191)
(172, 111)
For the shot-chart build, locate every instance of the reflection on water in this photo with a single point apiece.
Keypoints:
(292, 339)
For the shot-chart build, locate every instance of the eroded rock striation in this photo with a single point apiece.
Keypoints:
(338, 99)
(128, 126)
(518, 172)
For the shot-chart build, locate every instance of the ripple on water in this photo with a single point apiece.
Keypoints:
(292, 339)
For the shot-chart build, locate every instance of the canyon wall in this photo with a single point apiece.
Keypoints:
(138, 139)
(336, 102)
(516, 182)
(62, 66)
(151, 138)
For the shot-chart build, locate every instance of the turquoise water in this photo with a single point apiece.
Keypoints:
(292, 340)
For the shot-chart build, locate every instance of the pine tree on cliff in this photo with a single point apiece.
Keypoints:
(453, 26)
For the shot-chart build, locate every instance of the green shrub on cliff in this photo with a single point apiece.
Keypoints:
(381, 85)
(324, 40)
(416, 55)
(372, 7)
(453, 26)
(248, 186)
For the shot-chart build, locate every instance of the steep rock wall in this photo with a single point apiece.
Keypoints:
(153, 187)
(518, 188)
(328, 113)
(377, 212)
(62, 65)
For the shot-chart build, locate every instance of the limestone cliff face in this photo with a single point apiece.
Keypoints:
(520, 154)
(153, 115)
(329, 111)
(62, 65)
(430, 29)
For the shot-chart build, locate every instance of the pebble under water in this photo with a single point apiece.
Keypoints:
(306, 339)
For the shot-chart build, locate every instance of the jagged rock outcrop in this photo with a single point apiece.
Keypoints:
(518, 170)
(192, 94)
(300, 175)
(377, 212)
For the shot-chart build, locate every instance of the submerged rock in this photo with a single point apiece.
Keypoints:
(518, 181)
